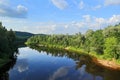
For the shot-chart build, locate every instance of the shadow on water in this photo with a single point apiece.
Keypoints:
(82, 59)
(4, 75)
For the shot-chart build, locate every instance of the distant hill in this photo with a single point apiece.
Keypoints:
(23, 34)
(22, 37)
(41, 34)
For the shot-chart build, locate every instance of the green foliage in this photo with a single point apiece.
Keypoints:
(111, 47)
(21, 37)
(7, 42)
(112, 41)
(104, 43)
(112, 31)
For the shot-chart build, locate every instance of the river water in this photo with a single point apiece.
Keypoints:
(44, 64)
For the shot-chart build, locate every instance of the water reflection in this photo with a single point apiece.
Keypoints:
(21, 65)
(54, 64)
(84, 65)
(20, 69)
(61, 72)
(4, 75)
(57, 52)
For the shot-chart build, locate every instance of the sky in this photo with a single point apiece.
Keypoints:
(59, 16)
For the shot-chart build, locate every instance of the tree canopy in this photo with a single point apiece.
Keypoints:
(7, 42)
(105, 42)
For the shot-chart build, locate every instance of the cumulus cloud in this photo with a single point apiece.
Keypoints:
(7, 10)
(97, 7)
(112, 2)
(21, 65)
(99, 22)
(87, 18)
(44, 28)
(82, 71)
(91, 22)
(86, 22)
(61, 72)
(81, 5)
(61, 4)
(4, 2)
(47, 29)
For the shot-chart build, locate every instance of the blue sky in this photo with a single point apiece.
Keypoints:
(59, 16)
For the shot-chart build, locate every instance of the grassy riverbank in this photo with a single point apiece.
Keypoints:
(99, 59)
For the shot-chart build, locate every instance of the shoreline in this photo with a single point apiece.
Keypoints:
(106, 63)
(101, 62)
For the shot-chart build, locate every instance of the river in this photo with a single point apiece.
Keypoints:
(44, 64)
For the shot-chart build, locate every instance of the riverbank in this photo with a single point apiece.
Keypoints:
(112, 64)
(108, 64)
(97, 59)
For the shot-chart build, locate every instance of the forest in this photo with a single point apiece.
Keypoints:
(102, 43)
(7, 45)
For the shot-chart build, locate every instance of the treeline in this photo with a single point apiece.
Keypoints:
(7, 43)
(21, 37)
(104, 42)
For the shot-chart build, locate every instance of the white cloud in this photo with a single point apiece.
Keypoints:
(81, 5)
(37, 27)
(4, 2)
(21, 9)
(66, 26)
(61, 72)
(97, 7)
(114, 19)
(79, 24)
(112, 2)
(85, 6)
(87, 18)
(21, 66)
(7, 10)
(61, 4)
(91, 22)
(82, 71)
(87, 22)
(99, 22)
(45, 28)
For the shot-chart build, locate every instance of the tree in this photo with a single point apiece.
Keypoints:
(97, 41)
(111, 47)
(112, 31)
(7, 40)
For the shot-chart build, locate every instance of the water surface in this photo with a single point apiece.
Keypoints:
(46, 64)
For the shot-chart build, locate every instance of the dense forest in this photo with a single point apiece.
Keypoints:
(102, 43)
(23, 34)
(7, 44)
(21, 37)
